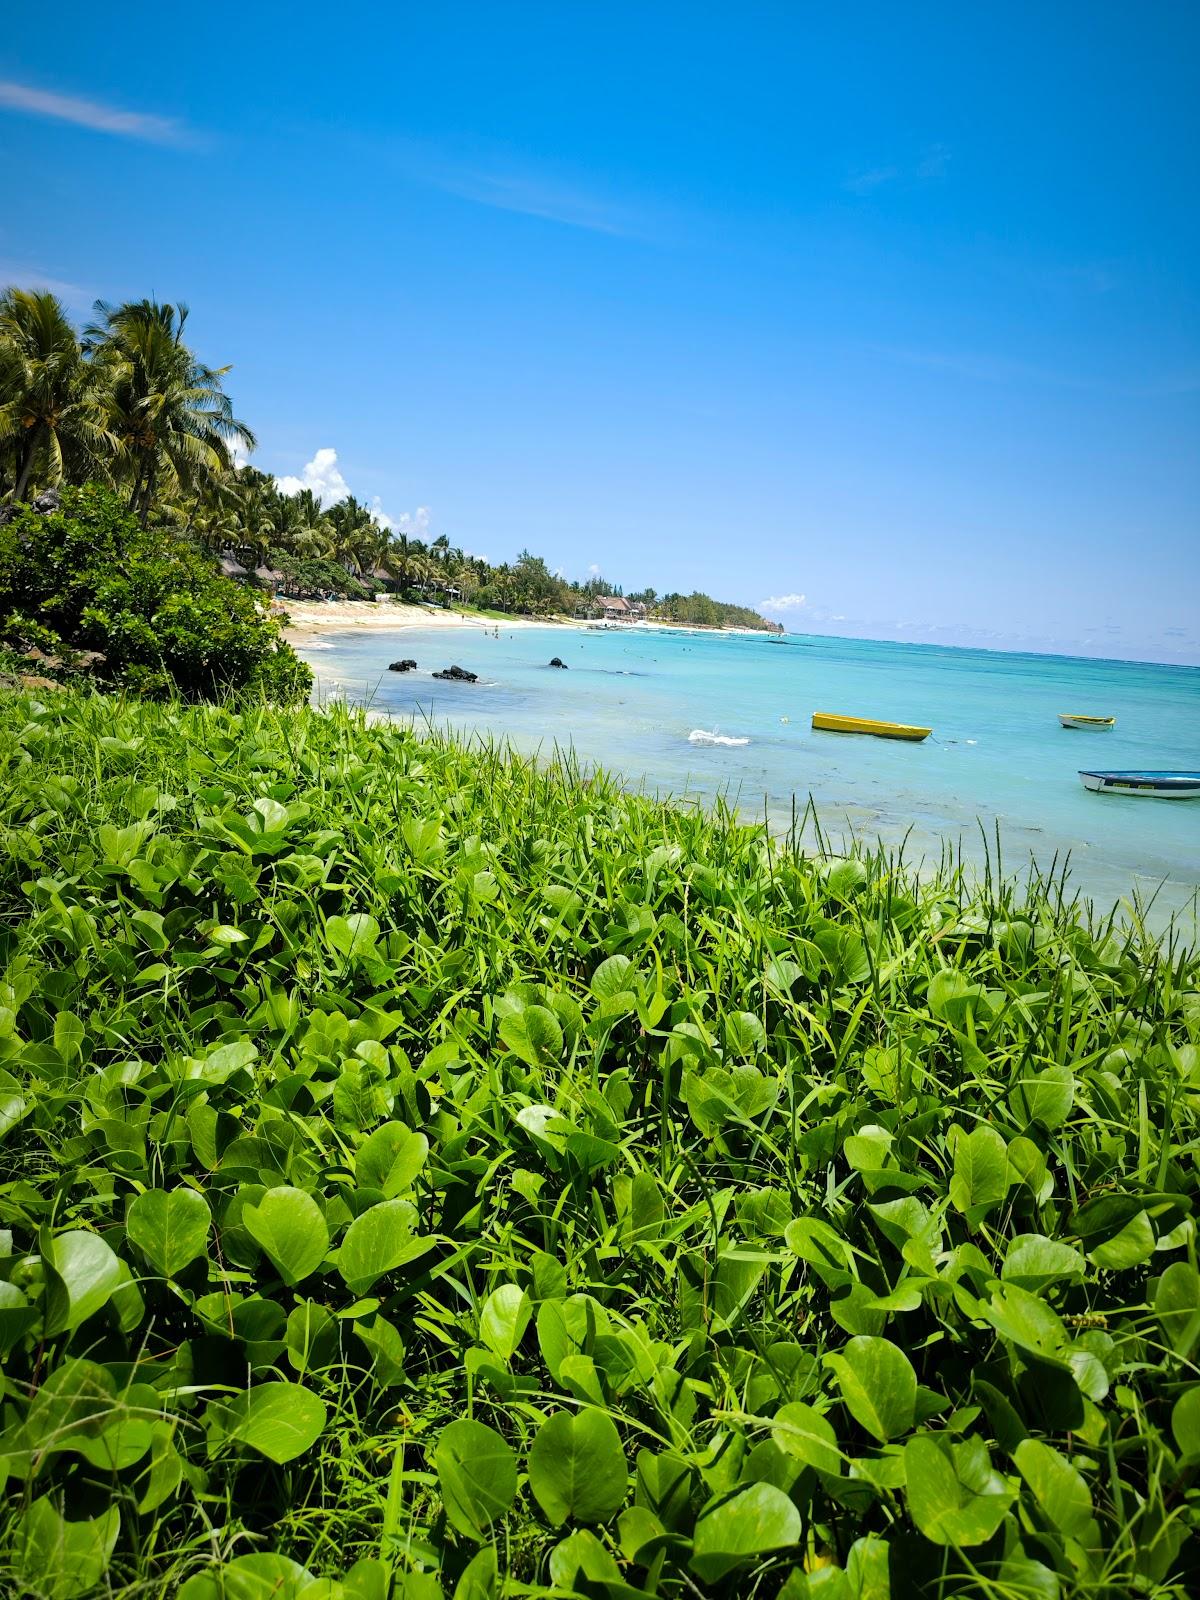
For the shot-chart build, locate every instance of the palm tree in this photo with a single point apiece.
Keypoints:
(167, 410)
(49, 415)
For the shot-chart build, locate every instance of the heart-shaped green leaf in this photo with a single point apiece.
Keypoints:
(290, 1227)
(170, 1228)
(477, 1472)
(577, 1467)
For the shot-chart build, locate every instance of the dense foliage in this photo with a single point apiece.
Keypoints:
(701, 610)
(128, 403)
(89, 577)
(427, 1174)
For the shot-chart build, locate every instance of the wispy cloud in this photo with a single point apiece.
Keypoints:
(783, 602)
(932, 164)
(76, 296)
(506, 184)
(28, 100)
(985, 368)
(865, 182)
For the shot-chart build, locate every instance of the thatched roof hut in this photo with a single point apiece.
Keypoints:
(232, 568)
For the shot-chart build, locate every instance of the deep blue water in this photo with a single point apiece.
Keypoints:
(631, 699)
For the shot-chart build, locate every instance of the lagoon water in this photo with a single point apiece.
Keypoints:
(632, 700)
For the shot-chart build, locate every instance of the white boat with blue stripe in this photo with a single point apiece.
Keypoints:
(1145, 785)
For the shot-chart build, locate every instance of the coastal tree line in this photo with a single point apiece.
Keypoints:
(126, 402)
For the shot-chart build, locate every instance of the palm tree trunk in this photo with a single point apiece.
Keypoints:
(26, 467)
(148, 494)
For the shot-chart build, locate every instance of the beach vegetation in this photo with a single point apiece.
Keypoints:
(429, 1172)
(127, 403)
(147, 608)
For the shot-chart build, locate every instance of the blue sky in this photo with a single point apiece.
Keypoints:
(895, 309)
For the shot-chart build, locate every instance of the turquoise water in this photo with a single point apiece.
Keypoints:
(632, 699)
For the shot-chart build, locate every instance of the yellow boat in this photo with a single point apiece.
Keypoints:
(1072, 719)
(826, 722)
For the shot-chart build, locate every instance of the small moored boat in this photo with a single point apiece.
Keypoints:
(1145, 785)
(826, 722)
(1071, 719)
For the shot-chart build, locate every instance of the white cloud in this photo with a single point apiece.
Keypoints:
(380, 515)
(23, 97)
(322, 475)
(415, 523)
(594, 570)
(783, 602)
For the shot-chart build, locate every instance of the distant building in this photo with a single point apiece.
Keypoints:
(612, 608)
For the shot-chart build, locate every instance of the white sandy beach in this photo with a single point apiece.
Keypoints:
(306, 617)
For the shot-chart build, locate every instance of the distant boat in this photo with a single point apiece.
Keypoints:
(1145, 785)
(826, 722)
(1071, 719)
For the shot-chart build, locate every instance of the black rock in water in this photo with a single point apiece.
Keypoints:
(557, 661)
(458, 675)
(406, 665)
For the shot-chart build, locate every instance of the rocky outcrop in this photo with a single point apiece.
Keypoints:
(557, 661)
(407, 665)
(458, 675)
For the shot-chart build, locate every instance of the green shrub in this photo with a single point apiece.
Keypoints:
(165, 620)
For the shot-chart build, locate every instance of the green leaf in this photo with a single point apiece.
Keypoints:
(1035, 1262)
(503, 1320)
(803, 1433)
(1185, 1421)
(263, 1575)
(170, 1228)
(61, 1560)
(1060, 1490)
(290, 1227)
(581, 1555)
(953, 1495)
(981, 1175)
(83, 1276)
(353, 937)
(1028, 1323)
(1128, 1248)
(577, 1467)
(534, 1035)
(740, 1531)
(376, 1242)
(1177, 1307)
(878, 1384)
(390, 1159)
(477, 1472)
(867, 1569)
(279, 1420)
(69, 1034)
(1045, 1097)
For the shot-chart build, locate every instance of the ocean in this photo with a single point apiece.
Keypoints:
(697, 715)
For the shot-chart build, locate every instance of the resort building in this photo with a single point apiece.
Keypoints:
(615, 608)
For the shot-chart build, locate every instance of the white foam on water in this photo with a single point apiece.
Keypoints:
(703, 736)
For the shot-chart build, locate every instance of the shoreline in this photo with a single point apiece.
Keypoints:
(302, 619)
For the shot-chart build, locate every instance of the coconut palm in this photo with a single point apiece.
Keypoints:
(49, 414)
(168, 411)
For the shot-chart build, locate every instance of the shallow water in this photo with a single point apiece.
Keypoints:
(637, 701)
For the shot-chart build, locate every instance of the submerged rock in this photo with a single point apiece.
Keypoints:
(458, 675)
(407, 665)
(557, 661)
